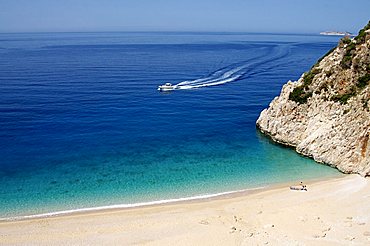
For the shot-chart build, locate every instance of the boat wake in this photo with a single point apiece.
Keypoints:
(232, 73)
(219, 77)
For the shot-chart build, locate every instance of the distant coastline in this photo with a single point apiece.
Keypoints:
(334, 33)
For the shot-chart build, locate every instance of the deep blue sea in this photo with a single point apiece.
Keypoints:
(82, 123)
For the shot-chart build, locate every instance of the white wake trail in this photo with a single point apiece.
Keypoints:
(227, 75)
(215, 79)
(216, 82)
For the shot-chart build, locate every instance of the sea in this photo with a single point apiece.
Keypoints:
(83, 126)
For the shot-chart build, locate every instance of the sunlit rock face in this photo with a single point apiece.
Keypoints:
(326, 113)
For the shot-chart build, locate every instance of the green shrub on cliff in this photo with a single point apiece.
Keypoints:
(346, 40)
(365, 103)
(347, 58)
(362, 34)
(301, 93)
(363, 81)
(308, 77)
(342, 98)
(346, 61)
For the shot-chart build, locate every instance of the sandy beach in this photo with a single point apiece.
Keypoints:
(333, 212)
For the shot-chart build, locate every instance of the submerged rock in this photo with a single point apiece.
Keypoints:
(325, 114)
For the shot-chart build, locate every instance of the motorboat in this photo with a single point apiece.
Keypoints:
(167, 87)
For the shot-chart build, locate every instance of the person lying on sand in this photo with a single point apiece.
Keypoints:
(299, 187)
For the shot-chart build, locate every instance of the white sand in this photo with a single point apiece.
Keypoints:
(333, 212)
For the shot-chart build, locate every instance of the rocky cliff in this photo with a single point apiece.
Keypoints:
(325, 114)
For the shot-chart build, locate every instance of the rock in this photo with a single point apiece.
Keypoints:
(349, 238)
(269, 226)
(233, 229)
(204, 222)
(333, 125)
(327, 229)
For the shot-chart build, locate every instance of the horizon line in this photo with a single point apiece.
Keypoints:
(167, 31)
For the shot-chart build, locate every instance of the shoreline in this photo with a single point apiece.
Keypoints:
(275, 214)
(162, 202)
(127, 206)
(331, 211)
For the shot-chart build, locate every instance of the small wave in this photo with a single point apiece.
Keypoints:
(123, 206)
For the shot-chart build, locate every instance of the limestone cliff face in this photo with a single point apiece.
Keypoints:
(325, 114)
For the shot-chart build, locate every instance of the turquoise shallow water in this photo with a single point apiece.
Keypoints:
(82, 124)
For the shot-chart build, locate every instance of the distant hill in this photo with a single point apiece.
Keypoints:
(333, 33)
